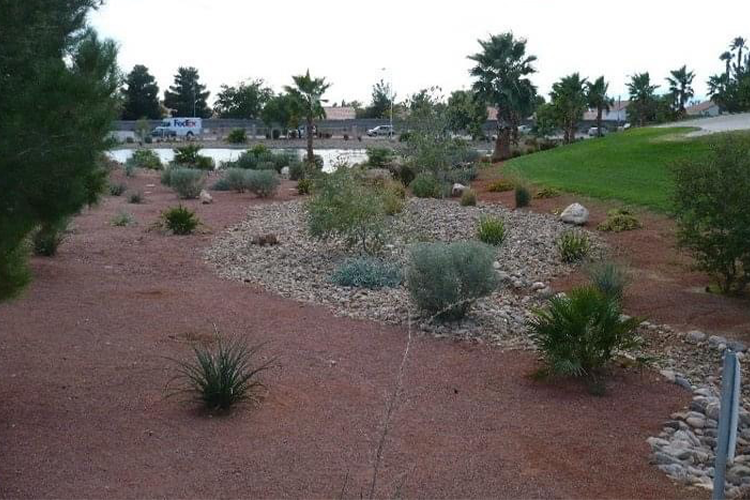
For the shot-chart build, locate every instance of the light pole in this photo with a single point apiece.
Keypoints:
(390, 96)
(194, 100)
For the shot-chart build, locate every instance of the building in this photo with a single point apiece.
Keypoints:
(335, 113)
(618, 113)
(707, 108)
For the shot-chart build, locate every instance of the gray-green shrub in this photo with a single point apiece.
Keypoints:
(263, 183)
(117, 189)
(426, 185)
(445, 279)
(236, 179)
(187, 182)
(144, 158)
(468, 198)
(367, 272)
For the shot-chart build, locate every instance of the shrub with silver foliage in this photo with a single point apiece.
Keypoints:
(367, 272)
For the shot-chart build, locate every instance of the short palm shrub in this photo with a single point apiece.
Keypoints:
(609, 278)
(500, 186)
(179, 220)
(445, 279)
(144, 158)
(49, 236)
(263, 183)
(122, 219)
(578, 334)
(573, 246)
(426, 185)
(710, 199)
(222, 375)
(468, 198)
(117, 189)
(136, 197)
(491, 230)
(367, 272)
(237, 136)
(619, 220)
(523, 196)
(187, 182)
(343, 205)
(379, 157)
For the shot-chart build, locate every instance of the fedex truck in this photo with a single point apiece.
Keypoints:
(178, 127)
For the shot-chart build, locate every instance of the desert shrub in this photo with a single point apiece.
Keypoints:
(190, 157)
(221, 185)
(462, 175)
(344, 205)
(394, 196)
(609, 278)
(619, 220)
(49, 236)
(204, 163)
(491, 230)
(222, 375)
(237, 136)
(304, 186)
(122, 219)
(403, 173)
(236, 180)
(445, 279)
(547, 193)
(117, 189)
(468, 198)
(426, 185)
(711, 201)
(573, 246)
(179, 220)
(501, 185)
(263, 183)
(14, 271)
(144, 158)
(297, 171)
(366, 272)
(129, 170)
(578, 334)
(135, 197)
(379, 157)
(129, 140)
(187, 182)
(523, 196)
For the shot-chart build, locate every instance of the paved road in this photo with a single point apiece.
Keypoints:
(723, 123)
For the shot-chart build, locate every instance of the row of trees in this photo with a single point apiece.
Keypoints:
(731, 89)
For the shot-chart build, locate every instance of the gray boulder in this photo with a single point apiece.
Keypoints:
(575, 214)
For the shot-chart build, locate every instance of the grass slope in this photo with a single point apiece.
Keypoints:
(632, 166)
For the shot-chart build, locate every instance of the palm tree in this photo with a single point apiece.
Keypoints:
(727, 58)
(501, 72)
(309, 92)
(642, 100)
(738, 44)
(569, 102)
(596, 95)
(681, 87)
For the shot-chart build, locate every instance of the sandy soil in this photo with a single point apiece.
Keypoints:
(85, 352)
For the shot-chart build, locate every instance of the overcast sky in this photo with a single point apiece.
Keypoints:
(420, 43)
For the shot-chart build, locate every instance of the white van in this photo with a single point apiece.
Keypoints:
(178, 127)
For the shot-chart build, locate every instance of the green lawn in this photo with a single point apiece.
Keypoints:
(632, 166)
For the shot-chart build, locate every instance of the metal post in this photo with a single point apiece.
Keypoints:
(727, 434)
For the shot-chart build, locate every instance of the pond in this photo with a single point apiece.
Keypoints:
(330, 156)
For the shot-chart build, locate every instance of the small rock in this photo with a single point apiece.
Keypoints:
(668, 374)
(695, 336)
(715, 341)
(697, 422)
(496, 265)
(205, 197)
(575, 214)
(285, 172)
(458, 189)
(538, 286)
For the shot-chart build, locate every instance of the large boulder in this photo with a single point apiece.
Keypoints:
(285, 171)
(458, 189)
(575, 214)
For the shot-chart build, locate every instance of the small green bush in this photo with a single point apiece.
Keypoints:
(48, 237)
(579, 334)
(500, 186)
(394, 196)
(367, 272)
(14, 271)
(187, 182)
(224, 375)
(221, 185)
(610, 279)
(426, 185)
(190, 157)
(179, 220)
(547, 193)
(135, 197)
(619, 220)
(445, 279)
(117, 189)
(468, 198)
(573, 246)
(491, 230)
(263, 183)
(523, 196)
(297, 171)
(379, 157)
(144, 158)
(123, 219)
(237, 136)
(304, 186)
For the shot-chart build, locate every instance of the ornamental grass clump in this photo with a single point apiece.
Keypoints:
(523, 196)
(123, 219)
(445, 279)
(609, 278)
(223, 374)
(579, 334)
(117, 189)
(367, 272)
(491, 230)
(190, 157)
(573, 246)
(468, 198)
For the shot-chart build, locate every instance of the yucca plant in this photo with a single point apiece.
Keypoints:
(578, 334)
(222, 375)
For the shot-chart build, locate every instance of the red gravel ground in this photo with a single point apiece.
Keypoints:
(84, 412)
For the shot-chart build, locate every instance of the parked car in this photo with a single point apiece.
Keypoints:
(524, 129)
(178, 127)
(594, 131)
(386, 130)
(163, 132)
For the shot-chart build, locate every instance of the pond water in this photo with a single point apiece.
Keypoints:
(330, 156)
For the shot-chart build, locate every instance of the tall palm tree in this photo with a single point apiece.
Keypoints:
(596, 95)
(309, 92)
(681, 87)
(569, 102)
(501, 72)
(642, 99)
(727, 58)
(739, 45)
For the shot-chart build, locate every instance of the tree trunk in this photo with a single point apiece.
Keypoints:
(310, 139)
(502, 145)
(599, 121)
